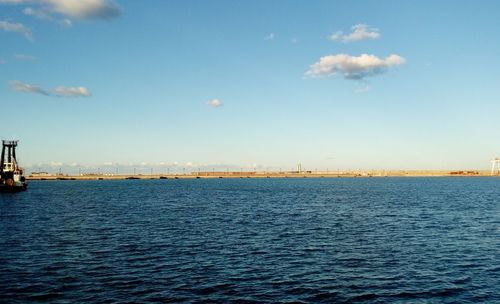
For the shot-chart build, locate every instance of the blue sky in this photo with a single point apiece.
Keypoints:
(243, 84)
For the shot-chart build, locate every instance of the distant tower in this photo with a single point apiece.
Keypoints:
(299, 167)
(495, 163)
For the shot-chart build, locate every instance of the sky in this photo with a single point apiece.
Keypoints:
(212, 85)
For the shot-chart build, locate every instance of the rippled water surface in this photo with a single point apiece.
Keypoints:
(374, 240)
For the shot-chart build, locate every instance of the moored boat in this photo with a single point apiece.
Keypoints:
(11, 175)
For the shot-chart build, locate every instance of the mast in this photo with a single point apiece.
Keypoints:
(10, 159)
(2, 159)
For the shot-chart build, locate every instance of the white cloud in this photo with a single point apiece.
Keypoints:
(24, 57)
(56, 164)
(359, 32)
(57, 92)
(27, 88)
(294, 40)
(78, 9)
(72, 92)
(85, 9)
(352, 67)
(17, 28)
(215, 103)
(271, 36)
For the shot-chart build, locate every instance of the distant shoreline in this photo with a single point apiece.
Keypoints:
(211, 175)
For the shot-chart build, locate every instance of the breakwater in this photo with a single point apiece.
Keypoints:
(264, 174)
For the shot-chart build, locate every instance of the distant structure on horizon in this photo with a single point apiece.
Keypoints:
(495, 163)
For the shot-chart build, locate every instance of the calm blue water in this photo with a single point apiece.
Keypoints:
(373, 240)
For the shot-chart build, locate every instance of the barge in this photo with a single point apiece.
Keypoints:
(11, 175)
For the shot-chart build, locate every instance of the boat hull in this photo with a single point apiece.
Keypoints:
(17, 187)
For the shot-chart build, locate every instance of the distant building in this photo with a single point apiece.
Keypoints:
(41, 173)
(223, 173)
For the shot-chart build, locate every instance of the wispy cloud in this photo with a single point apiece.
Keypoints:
(44, 13)
(77, 9)
(353, 67)
(38, 13)
(72, 92)
(12, 1)
(271, 36)
(358, 32)
(294, 40)
(362, 90)
(24, 57)
(215, 103)
(17, 28)
(27, 88)
(66, 22)
(56, 164)
(60, 91)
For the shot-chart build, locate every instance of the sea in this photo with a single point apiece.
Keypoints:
(289, 240)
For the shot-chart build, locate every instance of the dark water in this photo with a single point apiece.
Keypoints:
(379, 240)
